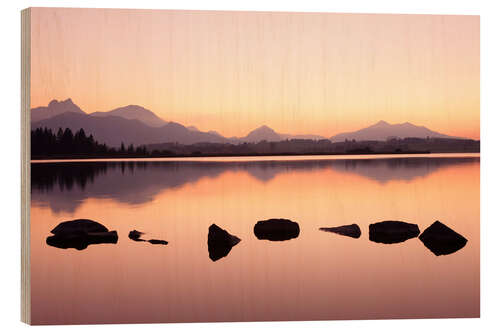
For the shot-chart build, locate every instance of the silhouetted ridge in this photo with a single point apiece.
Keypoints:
(134, 112)
(382, 130)
(53, 109)
(134, 124)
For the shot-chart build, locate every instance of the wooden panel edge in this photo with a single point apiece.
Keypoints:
(25, 165)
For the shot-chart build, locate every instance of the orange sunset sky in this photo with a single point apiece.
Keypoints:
(299, 73)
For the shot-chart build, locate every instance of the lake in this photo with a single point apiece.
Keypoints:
(316, 276)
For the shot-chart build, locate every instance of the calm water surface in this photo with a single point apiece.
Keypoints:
(316, 276)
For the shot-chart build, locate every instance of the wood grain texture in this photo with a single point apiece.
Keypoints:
(25, 165)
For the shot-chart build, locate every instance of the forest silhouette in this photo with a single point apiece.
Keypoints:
(45, 144)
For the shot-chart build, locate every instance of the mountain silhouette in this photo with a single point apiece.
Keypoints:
(262, 133)
(114, 130)
(133, 124)
(134, 112)
(268, 134)
(195, 129)
(382, 130)
(302, 137)
(54, 108)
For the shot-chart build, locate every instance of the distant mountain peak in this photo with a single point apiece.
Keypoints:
(215, 133)
(54, 108)
(66, 103)
(134, 112)
(382, 130)
(262, 133)
(265, 127)
(382, 123)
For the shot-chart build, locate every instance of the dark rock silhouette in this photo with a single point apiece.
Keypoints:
(136, 236)
(351, 230)
(276, 229)
(442, 240)
(220, 242)
(79, 234)
(390, 232)
(158, 241)
(80, 225)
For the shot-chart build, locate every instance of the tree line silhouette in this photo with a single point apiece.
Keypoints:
(45, 143)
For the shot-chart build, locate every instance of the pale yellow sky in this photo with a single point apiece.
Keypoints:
(231, 72)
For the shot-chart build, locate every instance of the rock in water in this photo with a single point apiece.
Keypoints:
(81, 225)
(276, 229)
(220, 242)
(158, 241)
(79, 234)
(442, 240)
(136, 236)
(351, 230)
(390, 232)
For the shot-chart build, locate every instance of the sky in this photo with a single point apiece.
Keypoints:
(298, 73)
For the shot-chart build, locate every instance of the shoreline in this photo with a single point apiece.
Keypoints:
(249, 158)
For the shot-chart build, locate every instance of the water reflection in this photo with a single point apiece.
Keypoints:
(64, 186)
(318, 275)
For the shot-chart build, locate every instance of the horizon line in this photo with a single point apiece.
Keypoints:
(382, 121)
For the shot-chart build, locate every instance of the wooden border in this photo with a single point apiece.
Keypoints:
(25, 165)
